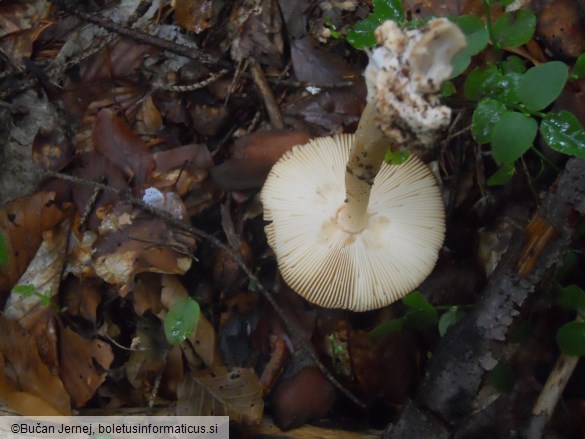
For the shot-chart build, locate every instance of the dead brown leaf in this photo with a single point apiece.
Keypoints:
(203, 340)
(195, 15)
(26, 384)
(254, 155)
(84, 365)
(115, 139)
(255, 27)
(22, 223)
(131, 243)
(44, 273)
(316, 66)
(236, 393)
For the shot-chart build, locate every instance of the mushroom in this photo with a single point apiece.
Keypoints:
(364, 244)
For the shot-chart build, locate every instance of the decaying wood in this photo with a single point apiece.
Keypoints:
(472, 348)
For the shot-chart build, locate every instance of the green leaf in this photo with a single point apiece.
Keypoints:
(3, 250)
(579, 67)
(361, 36)
(459, 63)
(181, 320)
(475, 32)
(487, 113)
(387, 328)
(571, 338)
(512, 136)
(513, 64)
(473, 87)
(45, 298)
(513, 29)
(25, 290)
(421, 314)
(572, 297)
(506, 2)
(542, 84)
(396, 157)
(502, 377)
(447, 89)
(502, 87)
(448, 319)
(563, 132)
(502, 175)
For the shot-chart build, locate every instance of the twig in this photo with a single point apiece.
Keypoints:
(266, 93)
(180, 225)
(551, 394)
(191, 87)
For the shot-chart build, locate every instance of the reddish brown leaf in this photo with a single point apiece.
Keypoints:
(84, 364)
(253, 158)
(24, 378)
(116, 141)
(22, 222)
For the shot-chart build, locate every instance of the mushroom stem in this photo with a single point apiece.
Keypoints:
(365, 159)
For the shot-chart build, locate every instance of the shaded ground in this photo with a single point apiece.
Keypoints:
(198, 99)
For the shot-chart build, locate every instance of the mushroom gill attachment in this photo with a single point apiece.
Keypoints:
(337, 268)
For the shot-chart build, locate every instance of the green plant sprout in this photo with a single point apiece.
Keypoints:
(420, 315)
(3, 251)
(31, 290)
(571, 336)
(181, 320)
(338, 352)
(510, 99)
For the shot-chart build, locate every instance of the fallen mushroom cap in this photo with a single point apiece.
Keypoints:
(358, 271)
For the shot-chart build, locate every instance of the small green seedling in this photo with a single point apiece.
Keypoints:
(338, 352)
(3, 251)
(420, 315)
(31, 290)
(571, 336)
(453, 315)
(181, 320)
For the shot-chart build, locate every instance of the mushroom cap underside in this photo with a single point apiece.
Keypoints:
(357, 271)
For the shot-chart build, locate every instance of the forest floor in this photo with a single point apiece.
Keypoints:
(135, 138)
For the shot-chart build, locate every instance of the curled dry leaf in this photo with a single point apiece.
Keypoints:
(236, 393)
(132, 243)
(33, 312)
(22, 222)
(26, 384)
(84, 365)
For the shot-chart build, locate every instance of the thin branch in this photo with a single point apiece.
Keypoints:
(295, 333)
